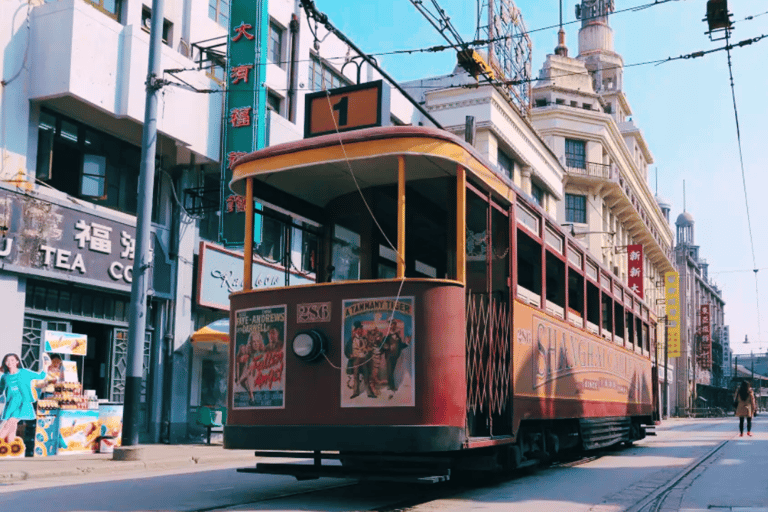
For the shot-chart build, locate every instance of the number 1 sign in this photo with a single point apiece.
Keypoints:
(346, 108)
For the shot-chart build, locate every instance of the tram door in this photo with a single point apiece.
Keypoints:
(488, 317)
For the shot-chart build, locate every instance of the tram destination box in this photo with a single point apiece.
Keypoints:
(346, 108)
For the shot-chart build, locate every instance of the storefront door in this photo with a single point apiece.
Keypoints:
(32, 339)
(119, 370)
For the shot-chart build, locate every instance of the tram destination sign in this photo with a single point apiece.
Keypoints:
(346, 109)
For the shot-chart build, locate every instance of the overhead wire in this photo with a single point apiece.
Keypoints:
(728, 48)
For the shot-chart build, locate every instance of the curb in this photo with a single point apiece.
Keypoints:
(112, 467)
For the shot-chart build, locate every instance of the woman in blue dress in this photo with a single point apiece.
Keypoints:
(16, 385)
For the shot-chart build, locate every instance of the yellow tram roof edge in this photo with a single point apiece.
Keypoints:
(400, 140)
(359, 281)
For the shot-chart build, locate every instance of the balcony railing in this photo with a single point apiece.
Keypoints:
(583, 168)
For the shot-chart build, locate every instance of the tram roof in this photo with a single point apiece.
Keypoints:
(371, 154)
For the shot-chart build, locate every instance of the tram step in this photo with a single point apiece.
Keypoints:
(314, 471)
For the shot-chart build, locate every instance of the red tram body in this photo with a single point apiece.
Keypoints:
(483, 337)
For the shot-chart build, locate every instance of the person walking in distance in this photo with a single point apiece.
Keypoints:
(745, 406)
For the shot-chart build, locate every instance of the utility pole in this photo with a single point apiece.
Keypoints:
(137, 320)
(666, 362)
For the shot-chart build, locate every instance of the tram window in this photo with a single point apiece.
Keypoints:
(304, 246)
(424, 270)
(271, 244)
(631, 334)
(345, 254)
(477, 243)
(607, 307)
(575, 292)
(555, 285)
(646, 339)
(528, 268)
(619, 328)
(593, 304)
(387, 267)
(500, 254)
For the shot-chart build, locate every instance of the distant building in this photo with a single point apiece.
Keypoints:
(699, 371)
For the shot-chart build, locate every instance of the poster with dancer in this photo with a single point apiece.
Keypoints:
(259, 381)
(378, 357)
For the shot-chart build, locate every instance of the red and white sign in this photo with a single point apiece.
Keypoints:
(705, 330)
(635, 268)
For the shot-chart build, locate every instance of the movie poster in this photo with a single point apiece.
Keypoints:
(259, 380)
(378, 357)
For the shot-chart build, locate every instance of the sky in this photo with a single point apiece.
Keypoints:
(684, 109)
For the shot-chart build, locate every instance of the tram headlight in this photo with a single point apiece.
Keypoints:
(309, 345)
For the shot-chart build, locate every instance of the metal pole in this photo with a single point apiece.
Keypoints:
(142, 263)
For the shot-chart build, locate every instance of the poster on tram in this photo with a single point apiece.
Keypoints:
(378, 358)
(259, 381)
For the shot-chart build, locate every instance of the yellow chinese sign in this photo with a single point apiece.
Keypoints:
(672, 295)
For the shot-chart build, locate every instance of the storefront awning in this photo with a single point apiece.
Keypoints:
(217, 331)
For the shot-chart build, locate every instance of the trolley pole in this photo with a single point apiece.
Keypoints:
(142, 263)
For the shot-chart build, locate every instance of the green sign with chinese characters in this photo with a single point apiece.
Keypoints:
(245, 115)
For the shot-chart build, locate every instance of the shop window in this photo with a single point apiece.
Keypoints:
(576, 208)
(146, 24)
(575, 154)
(111, 8)
(274, 102)
(537, 193)
(323, 76)
(89, 164)
(506, 164)
(218, 11)
(275, 44)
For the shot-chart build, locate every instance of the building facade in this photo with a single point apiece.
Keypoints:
(71, 121)
(583, 114)
(699, 369)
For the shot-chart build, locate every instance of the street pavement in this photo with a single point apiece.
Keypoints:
(692, 465)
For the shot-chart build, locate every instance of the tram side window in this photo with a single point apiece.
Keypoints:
(575, 292)
(631, 334)
(387, 266)
(555, 284)
(270, 243)
(304, 247)
(345, 254)
(619, 328)
(607, 305)
(593, 304)
(528, 267)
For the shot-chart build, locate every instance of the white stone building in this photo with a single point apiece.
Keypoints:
(582, 113)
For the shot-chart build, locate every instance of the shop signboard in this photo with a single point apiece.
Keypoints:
(259, 363)
(672, 296)
(221, 273)
(59, 342)
(705, 331)
(378, 357)
(635, 268)
(45, 238)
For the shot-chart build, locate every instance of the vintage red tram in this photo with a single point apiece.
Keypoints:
(440, 320)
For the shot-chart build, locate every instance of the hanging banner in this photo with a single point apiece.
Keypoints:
(635, 269)
(705, 332)
(260, 358)
(672, 296)
(245, 115)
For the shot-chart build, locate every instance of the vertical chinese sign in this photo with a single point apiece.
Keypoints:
(705, 331)
(246, 105)
(635, 268)
(672, 296)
